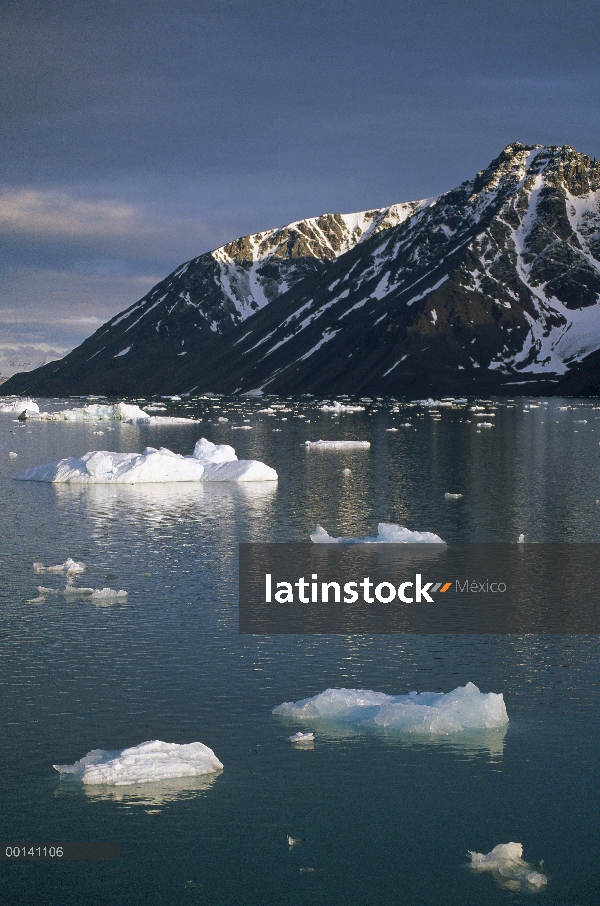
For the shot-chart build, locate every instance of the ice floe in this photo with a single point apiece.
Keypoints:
(96, 412)
(149, 762)
(448, 496)
(387, 533)
(506, 863)
(341, 407)
(12, 455)
(432, 713)
(302, 738)
(210, 462)
(337, 444)
(69, 566)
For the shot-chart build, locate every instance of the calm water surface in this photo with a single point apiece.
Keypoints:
(381, 820)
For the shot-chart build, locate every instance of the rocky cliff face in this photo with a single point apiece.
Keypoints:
(491, 287)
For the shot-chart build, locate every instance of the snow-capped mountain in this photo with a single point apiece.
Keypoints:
(493, 286)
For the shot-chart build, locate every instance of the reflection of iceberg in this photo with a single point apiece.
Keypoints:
(147, 763)
(506, 864)
(209, 462)
(387, 533)
(429, 713)
(146, 795)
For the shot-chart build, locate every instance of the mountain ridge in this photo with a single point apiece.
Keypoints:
(489, 287)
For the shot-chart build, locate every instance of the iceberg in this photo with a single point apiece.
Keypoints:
(147, 763)
(337, 444)
(209, 462)
(387, 533)
(18, 407)
(506, 863)
(431, 713)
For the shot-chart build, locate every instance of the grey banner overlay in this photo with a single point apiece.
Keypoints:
(473, 588)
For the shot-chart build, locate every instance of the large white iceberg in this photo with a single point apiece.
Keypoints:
(209, 462)
(146, 763)
(98, 412)
(432, 713)
(506, 863)
(337, 444)
(387, 533)
(18, 407)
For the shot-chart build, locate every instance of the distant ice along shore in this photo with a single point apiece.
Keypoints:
(387, 533)
(209, 462)
(96, 412)
(147, 763)
(465, 708)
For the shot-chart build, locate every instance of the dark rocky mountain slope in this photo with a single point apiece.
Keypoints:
(491, 287)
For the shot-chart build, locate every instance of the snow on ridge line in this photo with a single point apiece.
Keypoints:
(148, 762)
(432, 713)
(209, 462)
(387, 533)
(337, 444)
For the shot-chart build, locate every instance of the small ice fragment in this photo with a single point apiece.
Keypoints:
(221, 418)
(346, 472)
(485, 425)
(387, 533)
(149, 762)
(340, 407)
(291, 841)
(12, 455)
(521, 539)
(108, 594)
(448, 496)
(337, 444)
(302, 737)
(430, 713)
(506, 863)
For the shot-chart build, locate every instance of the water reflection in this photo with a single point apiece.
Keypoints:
(467, 744)
(147, 795)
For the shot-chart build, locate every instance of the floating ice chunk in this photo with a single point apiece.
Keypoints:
(387, 533)
(209, 463)
(12, 455)
(448, 496)
(506, 863)
(96, 412)
(341, 407)
(146, 763)
(521, 539)
(433, 713)
(246, 427)
(108, 594)
(337, 444)
(69, 566)
(17, 407)
(346, 472)
(302, 737)
(205, 451)
(485, 425)
(241, 470)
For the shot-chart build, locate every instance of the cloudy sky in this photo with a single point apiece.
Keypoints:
(138, 135)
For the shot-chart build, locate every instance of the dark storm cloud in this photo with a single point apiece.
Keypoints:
(139, 135)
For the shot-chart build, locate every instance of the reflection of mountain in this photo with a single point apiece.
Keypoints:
(494, 284)
(147, 795)
(468, 743)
